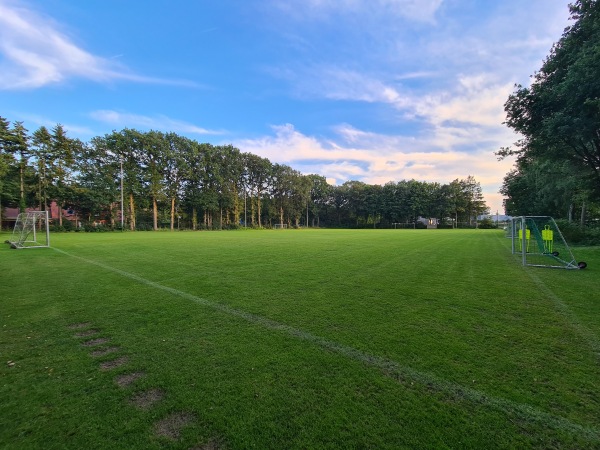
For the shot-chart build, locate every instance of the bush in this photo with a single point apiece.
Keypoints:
(95, 228)
(67, 225)
(144, 226)
(575, 234)
(487, 223)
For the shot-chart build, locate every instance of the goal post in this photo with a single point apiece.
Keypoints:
(280, 226)
(540, 243)
(32, 230)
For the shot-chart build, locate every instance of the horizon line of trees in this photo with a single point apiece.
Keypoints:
(163, 179)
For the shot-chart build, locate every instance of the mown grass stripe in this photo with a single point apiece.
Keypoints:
(588, 336)
(569, 316)
(390, 368)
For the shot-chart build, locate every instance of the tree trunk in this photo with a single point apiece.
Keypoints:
(39, 195)
(22, 198)
(131, 212)
(113, 215)
(236, 208)
(154, 213)
(258, 209)
(570, 213)
(583, 214)
(194, 219)
(172, 213)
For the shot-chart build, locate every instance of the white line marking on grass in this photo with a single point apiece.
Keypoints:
(390, 368)
(563, 309)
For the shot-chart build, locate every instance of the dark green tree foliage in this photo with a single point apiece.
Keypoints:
(192, 188)
(176, 171)
(42, 151)
(543, 187)
(320, 194)
(257, 174)
(558, 117)
(98, 188)
(7, 164)
(62, 151)
(162, 179)
(19, 146)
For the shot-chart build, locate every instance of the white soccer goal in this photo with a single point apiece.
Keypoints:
(32, 230)
(541, 244)
(280, 226)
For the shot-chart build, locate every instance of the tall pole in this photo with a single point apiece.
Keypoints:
(524, 240)
(122, 215)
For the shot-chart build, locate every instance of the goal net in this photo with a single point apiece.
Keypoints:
(32, 230)
(280, 226)
(541, 244)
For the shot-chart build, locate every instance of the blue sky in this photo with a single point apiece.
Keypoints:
(370, 90)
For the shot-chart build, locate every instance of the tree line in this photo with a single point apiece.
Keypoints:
(557, 170)
(165, 180)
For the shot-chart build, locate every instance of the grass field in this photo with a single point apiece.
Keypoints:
(296, 339)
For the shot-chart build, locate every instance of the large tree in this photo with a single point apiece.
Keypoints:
(320, 194)
(62, 152)
(42, 150)
(6, 159)
(545, 187)
(558, 116)
(19, 145)
(176, 170)
(99, 179)
(258, 173)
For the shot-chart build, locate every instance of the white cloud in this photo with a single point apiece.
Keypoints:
(158, 122)
(37, 53)
(476, 100)
(376, 159)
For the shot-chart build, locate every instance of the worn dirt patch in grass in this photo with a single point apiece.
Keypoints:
(94, 342)
(80, 325)
(146, 399)
(87, 333)
(126, 379)
(170, 427)
(104, 351)
(113, 363)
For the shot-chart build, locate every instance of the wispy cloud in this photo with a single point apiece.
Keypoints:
(415, 67)
(158, 122)
(37, 53)
(37, 120)
(419, 10)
